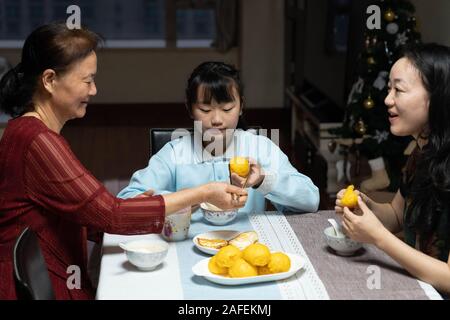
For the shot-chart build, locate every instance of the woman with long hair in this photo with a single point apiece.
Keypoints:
(419, 105)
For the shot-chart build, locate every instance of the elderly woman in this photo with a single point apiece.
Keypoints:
(44, 186)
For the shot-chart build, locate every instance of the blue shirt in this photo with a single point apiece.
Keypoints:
(183, 163)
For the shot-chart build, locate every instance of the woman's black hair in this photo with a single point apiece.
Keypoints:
(429, 169)
(218, 80)
(52, 46)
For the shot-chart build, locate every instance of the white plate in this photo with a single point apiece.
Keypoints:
(201, 269)
(219, 234)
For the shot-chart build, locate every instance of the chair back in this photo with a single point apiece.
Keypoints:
(30, 270)
(160, 136)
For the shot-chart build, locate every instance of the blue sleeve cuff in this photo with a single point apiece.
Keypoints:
(268, 184)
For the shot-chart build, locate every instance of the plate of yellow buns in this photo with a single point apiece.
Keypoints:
(254, 264)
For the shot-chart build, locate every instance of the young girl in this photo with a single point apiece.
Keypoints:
(214, 99)
(419, 105)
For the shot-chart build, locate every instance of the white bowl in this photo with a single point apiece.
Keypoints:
(217, 216)
(146, 254)
(343, 246)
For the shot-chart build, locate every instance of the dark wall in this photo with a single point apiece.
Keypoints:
(323, 69)
(333, 73)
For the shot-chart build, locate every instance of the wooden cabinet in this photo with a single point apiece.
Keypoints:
(312, 116)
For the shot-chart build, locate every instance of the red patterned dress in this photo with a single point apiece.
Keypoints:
(44, 186)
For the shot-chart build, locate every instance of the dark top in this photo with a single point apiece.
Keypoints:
(437, 244)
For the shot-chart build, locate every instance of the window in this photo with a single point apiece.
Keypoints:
(11, 19)
(122, 23)
(195, 26)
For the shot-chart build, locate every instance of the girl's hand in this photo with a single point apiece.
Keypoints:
(254, 178)
(363, 228)
(339, 208)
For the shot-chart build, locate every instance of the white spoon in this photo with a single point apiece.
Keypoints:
(123, 246)
(336, 228)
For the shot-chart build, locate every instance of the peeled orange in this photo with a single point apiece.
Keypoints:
(350, 198)
(213, 267)
(279, 262)
(240, 166)
(227, 255)
(256, 254)
(242, 268)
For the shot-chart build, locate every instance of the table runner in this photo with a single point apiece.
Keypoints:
(346, 277)
(274, 230)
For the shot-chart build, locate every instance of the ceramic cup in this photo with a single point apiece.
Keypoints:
(176, 225)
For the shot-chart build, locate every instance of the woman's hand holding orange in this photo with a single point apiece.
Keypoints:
(341, 203)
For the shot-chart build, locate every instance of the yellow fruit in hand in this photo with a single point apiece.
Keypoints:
(350, 199)
(256, 254)
(227, 255)
(279, 262)
(242, 268)
(214, 268)
(240, 166)
(263, 270)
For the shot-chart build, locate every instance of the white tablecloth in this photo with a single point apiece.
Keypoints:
(121, 280)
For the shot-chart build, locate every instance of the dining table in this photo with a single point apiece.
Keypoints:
(368, 274)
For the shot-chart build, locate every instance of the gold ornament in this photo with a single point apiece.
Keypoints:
(371, 60)
(360, 127)
(389, 15)
(369, 103)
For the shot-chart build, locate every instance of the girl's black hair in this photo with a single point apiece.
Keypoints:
(429, 168)
(52, 46)
(218, 80)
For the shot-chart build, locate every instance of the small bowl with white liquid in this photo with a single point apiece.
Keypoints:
(145, 254)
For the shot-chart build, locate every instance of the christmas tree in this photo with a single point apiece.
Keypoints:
(366, 119)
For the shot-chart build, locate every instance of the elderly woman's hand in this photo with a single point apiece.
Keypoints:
(147, 193)
(363, 228)
(225, 196)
